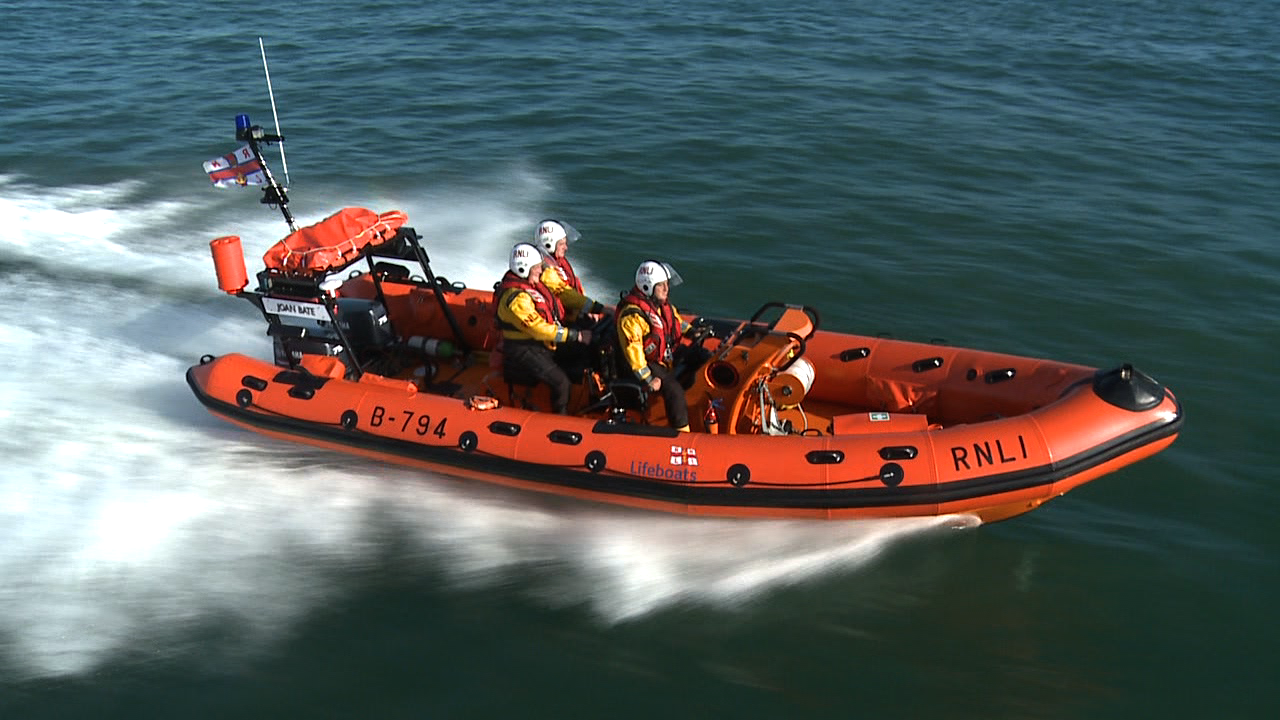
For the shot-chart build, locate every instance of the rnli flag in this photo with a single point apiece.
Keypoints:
(236, 168)
(683, 456)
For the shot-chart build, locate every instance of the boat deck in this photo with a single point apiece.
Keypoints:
(475, 377)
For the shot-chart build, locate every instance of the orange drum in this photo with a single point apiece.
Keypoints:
(228, 262)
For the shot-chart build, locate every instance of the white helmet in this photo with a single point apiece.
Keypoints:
(652, 272)
(549, 232)
(523, 257)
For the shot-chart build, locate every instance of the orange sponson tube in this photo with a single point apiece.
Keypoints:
(228, 261)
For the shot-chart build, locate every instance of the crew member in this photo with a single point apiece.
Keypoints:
(530, 317)
(649, 328)
(554, 236)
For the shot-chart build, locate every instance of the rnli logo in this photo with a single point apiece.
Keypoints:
(683, 456)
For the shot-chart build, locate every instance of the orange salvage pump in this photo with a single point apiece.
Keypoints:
(789, 420)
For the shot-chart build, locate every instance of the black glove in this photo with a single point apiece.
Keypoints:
(699, 324)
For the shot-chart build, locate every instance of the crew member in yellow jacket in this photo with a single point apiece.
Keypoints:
(649, 328)
(531, 317)
(553, 237)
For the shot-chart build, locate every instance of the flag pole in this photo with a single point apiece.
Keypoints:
(283, 163)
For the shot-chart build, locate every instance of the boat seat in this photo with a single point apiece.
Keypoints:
(628, 394)
(521, 382)
(619, 396)
(621, 391)
(520, 385)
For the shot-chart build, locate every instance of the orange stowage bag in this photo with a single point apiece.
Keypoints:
(369, 378)
(323, 366)
(900, 396)
(334, 241)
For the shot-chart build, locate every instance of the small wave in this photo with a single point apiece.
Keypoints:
(104, 233)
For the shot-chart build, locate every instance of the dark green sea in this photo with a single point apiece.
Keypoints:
(1092, 181)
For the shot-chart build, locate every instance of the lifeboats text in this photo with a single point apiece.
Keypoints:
(655, 470)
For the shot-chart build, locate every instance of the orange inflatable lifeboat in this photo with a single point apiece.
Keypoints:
(376, 355)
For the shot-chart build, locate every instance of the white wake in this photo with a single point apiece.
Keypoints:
(129, 517)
